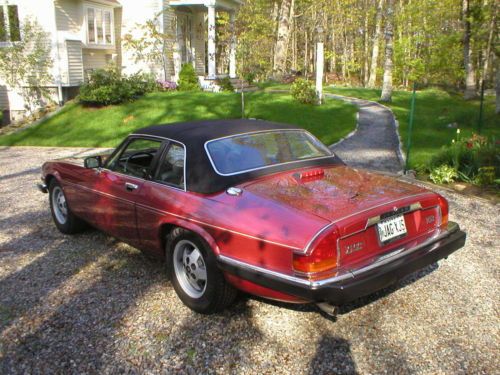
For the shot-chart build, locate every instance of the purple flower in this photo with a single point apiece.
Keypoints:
(166, 85)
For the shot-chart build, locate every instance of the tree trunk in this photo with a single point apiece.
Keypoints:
(281, 46)
(470, 74)
(333, 59)
(366, 48)
(487, 53)
(376, 41)
(497, 63)
(388, 65)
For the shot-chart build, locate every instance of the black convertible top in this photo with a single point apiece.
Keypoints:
(196, 132)
(200, 174)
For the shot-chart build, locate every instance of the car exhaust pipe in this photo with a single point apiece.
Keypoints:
(43, 188)
(328, 308)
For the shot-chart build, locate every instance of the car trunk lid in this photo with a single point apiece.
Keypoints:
(360, 203)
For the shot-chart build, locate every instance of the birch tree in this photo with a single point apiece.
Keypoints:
(470, 73)
(389, 50)
(283, 34)
(376, 45)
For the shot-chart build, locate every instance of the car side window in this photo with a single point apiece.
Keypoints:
(136, 158)
(171, 168)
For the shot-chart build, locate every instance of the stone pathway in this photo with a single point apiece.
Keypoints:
(375, 142)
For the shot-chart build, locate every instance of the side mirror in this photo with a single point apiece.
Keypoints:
(93, 162)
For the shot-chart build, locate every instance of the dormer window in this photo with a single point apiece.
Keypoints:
(99, 26)
(9, 24)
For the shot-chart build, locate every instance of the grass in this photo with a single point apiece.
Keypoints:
(434, 111)
(76, 125)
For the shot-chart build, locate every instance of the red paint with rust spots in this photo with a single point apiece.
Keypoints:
(274, 217)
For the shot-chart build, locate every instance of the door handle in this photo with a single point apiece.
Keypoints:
(131, 187)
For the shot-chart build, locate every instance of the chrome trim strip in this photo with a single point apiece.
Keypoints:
(184, 217)
(278, 275)
(266, 166)
(217, 227)
(171, 140)
(380, 261)
(376, 219)
(307, 248)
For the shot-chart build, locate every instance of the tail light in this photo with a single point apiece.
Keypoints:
(443, 207)
(322, 259)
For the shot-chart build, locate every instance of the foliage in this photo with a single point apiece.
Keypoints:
(428, 36)
(108, 86)
(303, 91)
(26, 64)
(148, 44)
(225, 84)
(77, 125)
(188, 80)
(249, 77)
(476, 159)
(437, 114)
(444, 174)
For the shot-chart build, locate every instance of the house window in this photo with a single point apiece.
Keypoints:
(9, 24)
(99, 26)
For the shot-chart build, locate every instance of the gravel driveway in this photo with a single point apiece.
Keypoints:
(90, 304)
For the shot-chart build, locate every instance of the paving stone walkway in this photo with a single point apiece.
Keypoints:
(375, 142)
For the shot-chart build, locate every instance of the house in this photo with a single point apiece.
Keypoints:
(88, 34)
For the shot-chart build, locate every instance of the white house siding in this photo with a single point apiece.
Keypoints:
(132, 16)
(43, 12)
(96, 59)
(75, 62)
(198, 42)
(4, 98)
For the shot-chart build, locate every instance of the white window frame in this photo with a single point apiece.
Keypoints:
(103, 9)
(5, 7)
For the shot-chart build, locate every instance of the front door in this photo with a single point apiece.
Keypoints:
(118, 186)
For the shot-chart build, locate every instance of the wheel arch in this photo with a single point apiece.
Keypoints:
(167, 227)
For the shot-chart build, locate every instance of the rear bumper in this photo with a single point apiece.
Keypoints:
(353, 284)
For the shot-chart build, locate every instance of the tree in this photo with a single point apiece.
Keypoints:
(376, 41)
(25, 64)
(151, 45)
(283, 35)
(388, 65)
(470, 73)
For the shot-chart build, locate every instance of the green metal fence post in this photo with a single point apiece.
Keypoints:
(410, 126)
(481, 110)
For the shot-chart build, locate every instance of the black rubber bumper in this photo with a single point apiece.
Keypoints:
(358, 284)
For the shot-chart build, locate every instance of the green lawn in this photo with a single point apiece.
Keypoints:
(434, 110)
(75, 125)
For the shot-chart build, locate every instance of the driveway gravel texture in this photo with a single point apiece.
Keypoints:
(90, 304)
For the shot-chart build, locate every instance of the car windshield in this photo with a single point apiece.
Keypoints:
(246, 152)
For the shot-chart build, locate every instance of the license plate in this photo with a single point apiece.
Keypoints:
(391, 228)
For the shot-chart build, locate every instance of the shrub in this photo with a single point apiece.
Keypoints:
(249, 77)
(164, 85)
(140, 84)
(188, 80)
(303, 91)
(225, 84)
(443, 174)
(476, 160)
(108, 86)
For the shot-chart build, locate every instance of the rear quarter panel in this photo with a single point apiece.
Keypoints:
(247, 227)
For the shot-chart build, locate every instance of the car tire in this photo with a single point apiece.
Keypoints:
(64, 219)
(189, 259)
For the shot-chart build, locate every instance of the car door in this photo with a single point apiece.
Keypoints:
(118, 184)
(165, 192)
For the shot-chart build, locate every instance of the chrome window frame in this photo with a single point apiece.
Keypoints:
(266, 166)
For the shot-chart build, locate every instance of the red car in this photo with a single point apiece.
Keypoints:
(255, 206)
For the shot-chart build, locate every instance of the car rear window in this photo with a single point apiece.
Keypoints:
(247, 152)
